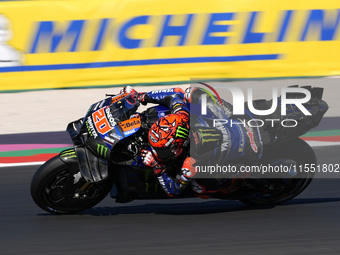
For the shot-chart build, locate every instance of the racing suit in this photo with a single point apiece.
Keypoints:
(221, 143)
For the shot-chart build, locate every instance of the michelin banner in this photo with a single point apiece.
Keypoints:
(58, 44)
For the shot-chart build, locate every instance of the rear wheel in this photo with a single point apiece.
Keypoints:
(289, 185)
(58, 188)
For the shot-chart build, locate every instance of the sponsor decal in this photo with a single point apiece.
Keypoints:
(250, 134)
(130, 124)
(161, 181)
(101, 122)
(162, 91)
(90, 128)
(72, 39)
(109, 140)
(110, 117)
(68, 154)
(226, 136)
(118, 98)
(169, 142)
(285, 26)
(102, 150)
(182, 132)
(116, 136)
(130, 132)
(208, 135)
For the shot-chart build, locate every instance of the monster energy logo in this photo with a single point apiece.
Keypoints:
(68, 154)
(101, 150)
(209, 135)
(182, 132)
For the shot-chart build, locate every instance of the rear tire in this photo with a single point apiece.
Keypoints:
(284, 189)
(58, 188)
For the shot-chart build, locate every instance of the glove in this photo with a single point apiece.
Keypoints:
(188, 170)
(128, 89)
(149, 160)
(132, 99)
(141, 98)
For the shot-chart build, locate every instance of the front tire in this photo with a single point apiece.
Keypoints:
(58, 188)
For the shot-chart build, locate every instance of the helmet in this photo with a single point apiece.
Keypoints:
(168, 135)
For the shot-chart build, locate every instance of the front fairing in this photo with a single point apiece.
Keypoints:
(108, 121)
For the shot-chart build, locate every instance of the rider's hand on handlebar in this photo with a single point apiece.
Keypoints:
(128, 89)
(141, 98)
(150, 161)
(148, 158)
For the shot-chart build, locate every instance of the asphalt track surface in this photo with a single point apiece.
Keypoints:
(308, 224)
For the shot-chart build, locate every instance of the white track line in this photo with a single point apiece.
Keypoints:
(319, 143)
(22, 164)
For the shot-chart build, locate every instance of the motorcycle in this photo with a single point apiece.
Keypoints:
(106, 159)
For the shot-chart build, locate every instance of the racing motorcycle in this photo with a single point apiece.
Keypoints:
(106, 159)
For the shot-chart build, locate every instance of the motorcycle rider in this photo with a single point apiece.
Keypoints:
(169, 140)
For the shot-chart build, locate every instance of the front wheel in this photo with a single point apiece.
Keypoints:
(279, 190)
(58, 188)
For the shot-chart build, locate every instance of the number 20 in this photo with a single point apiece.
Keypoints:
(100, 120)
